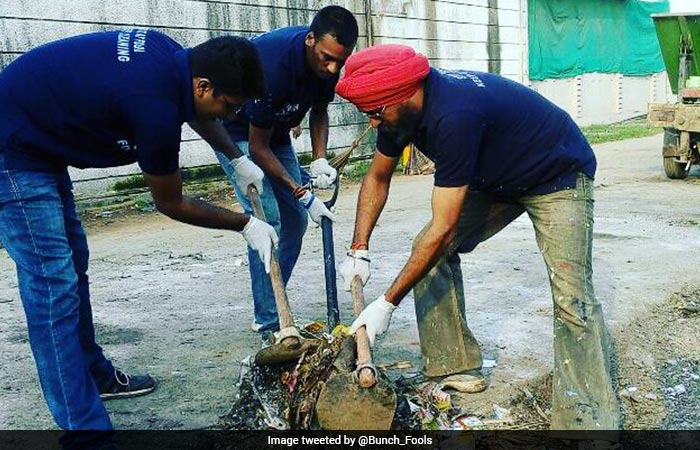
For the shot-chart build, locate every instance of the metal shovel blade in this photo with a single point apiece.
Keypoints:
(344, 405)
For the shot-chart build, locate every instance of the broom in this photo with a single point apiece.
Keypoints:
(341, 159)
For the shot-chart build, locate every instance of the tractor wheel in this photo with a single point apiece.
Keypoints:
(674, 170)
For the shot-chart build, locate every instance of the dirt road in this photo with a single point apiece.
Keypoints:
(174, 300)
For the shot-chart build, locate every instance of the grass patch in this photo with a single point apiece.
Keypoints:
(306, 158)
(358, 169)
(629, 129)
(128, 183)
(194, 174)
(355, 171)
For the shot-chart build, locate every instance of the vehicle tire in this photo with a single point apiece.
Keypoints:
(674, 170)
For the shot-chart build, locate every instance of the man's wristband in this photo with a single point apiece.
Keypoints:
(299, 192)
(361, 258)
(356, 246)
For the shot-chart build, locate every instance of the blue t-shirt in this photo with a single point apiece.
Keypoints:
(97, 100)
(291, 87)
(496, 135)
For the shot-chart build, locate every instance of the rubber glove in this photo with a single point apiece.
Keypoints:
(315, 207)
(375, 317)
(356, 263)
(247, 173)
(322, 173)
(261, 237)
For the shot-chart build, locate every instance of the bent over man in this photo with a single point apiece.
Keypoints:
(104, 100)
(500, 149)
(301, 66)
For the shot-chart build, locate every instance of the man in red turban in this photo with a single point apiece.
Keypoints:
(500, 149)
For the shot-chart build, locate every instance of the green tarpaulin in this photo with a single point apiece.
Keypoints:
(571, 37)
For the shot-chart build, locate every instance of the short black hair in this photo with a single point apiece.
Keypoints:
(338, 22)
(231, 63)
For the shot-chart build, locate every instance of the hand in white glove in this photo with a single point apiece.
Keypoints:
(375, 317)
(261, 237)
(357, 263)
(247, 173)
(322, 173)
(316, 208)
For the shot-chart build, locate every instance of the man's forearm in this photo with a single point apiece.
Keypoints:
(202, 214)
(272, 166)
(214, 133)
(370, 203)
(318, 127)
(426, 252)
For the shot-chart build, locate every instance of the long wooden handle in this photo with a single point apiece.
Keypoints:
(367, 375)
(283, 310)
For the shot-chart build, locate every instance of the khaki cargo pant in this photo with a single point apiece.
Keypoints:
(583, 396)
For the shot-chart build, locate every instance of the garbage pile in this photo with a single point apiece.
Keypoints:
(284, 397)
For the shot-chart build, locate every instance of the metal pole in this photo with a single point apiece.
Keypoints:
(369, 29)
(329, 269)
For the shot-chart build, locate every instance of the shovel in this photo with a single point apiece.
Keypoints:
(329, 262)
(289, 345)
(359, 399)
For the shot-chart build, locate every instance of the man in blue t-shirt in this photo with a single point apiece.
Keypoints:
(500, 149)
(301, 66)
(105, 100)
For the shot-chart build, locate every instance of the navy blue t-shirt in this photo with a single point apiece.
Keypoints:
(291, 87)
(496, 135)
(97, 100)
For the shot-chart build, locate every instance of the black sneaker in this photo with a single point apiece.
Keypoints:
(127, 386)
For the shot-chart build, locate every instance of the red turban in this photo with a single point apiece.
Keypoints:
(382, 75)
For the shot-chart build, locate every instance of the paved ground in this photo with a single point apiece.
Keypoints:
(174, 300)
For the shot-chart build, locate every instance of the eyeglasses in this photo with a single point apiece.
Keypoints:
(377, 113)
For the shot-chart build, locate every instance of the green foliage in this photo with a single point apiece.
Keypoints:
(306, 158)
(203, 173)
(135, 182)
(629, 129)
(191, 175)
(356, 170)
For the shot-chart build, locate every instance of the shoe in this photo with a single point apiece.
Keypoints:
(255, 326)
(127, 386)
(469, 383)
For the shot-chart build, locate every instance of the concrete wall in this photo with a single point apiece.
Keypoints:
(595, 98)
(476, 34)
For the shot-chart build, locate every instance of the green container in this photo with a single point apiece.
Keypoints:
(672, 29)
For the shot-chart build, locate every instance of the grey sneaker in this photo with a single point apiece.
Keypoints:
(127, 386)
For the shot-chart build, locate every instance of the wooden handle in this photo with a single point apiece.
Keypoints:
(284, 312)
(367, 376)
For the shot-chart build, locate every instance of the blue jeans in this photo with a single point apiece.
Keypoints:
(41, 231)
(289, 218)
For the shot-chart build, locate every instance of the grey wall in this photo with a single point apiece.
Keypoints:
(477, 34)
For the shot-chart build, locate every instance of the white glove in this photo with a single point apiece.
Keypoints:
(375, 317)
(322, 173)
(260, 237)
(315, 207)
(357, 263)
(247, 173)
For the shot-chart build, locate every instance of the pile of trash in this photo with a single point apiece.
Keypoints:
(687, 301)
(432, 408)
(284, 397)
